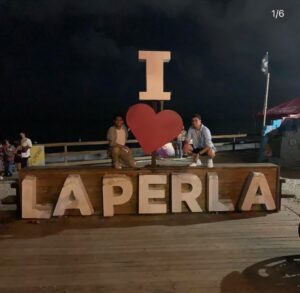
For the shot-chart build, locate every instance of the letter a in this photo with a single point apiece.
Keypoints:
(73, 196)
(255, 182)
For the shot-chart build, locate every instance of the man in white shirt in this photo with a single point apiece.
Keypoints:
(118, 151)
(200, 138)
(26, 145)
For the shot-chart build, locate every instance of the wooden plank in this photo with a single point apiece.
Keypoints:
(169, 253)
(65, 154)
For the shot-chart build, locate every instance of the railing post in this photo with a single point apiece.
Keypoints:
(65, 153)
(233, 144)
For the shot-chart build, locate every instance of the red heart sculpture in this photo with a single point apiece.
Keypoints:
(151, 129)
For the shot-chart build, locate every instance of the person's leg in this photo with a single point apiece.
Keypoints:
(196, 158)
(180, 149)
(187, 149)
(10, 168)
(196, 155)
(24, 163)
(176, 150)
(6, 168)
(18, 166)
(14, 167)
(211, 153)
(115, 157)
(127, 158)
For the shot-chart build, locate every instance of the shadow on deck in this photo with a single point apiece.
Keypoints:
(276, 275)
(43, 228)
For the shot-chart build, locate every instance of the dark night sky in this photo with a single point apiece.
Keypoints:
(67, 65)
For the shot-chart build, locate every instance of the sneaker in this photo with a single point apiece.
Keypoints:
(196, 164)
(118, 166)
(132, 164)
(210, 163)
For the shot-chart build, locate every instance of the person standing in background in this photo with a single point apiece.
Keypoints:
(26, 145)
(18, 154)
(9, 153)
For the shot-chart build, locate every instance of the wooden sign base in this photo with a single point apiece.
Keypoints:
(226, 187)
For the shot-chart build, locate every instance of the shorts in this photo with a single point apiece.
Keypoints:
(198, 150)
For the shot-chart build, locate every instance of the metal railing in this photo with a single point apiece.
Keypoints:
(66, 152)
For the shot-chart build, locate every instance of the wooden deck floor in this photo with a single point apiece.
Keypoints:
(169, 253)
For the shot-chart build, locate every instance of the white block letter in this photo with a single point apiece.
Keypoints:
(146, 194)
(214, 203)
(178, 195)
(155, 75)
(255, 182)
(111, 197)
(31, 210)
(73, 196)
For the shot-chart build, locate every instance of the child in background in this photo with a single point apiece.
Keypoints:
(179, 143)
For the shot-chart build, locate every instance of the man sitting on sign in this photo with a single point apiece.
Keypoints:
(199, 142)
(118, 151)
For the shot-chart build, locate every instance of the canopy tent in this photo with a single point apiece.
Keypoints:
(281, 136)
(288, 108)
(283, 143)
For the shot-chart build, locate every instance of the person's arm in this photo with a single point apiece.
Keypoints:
(28, 145)
(111, 137)
(207, 141)
(186, 144)
(126, 148)
(6, 151)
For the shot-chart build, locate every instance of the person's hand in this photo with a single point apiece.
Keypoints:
(24, 149)
(187, 148)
